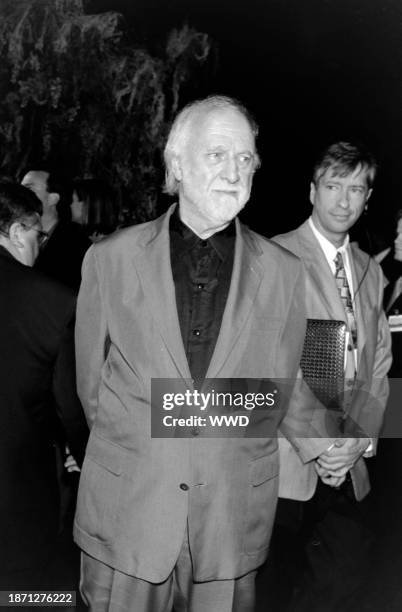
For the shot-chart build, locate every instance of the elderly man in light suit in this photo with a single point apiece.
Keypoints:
(193, 294)
(337, 542)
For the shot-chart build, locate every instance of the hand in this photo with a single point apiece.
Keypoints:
(343, 455)
(96, 237)
(329, 479)
(70, 463)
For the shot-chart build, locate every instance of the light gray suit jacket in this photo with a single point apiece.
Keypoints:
(367, 399)
(132, 513)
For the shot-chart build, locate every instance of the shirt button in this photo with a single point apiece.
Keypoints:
(196, 332)
(184, 486)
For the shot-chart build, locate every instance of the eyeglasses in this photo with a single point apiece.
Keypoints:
(42, 236)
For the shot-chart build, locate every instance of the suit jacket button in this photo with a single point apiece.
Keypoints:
(315, 542)
(350, 347)
(184, 486)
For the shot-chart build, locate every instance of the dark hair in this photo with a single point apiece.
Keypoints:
(61, 184)
(56, 182)
(17, 203)
(344, 158)
(100, 213)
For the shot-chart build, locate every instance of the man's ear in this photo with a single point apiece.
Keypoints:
(53, 199)
(176, 168)
(312, 192)
(16, 235)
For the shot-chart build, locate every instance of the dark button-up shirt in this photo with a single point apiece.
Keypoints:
(202, 271)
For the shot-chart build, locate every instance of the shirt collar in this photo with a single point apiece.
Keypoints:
(222, 242)
(329, 249)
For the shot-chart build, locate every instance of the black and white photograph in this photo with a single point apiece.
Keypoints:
(201, 305)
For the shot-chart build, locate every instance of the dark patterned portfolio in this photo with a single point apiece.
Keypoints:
(323, 360)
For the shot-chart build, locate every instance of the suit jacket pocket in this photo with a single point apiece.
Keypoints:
(105, 453)
(100, 489)
(261, 502)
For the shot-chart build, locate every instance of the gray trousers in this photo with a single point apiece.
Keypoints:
(105, 589)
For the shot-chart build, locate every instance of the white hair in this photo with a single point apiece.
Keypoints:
(179, 132)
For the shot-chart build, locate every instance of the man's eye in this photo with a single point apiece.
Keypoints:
(215, 155)
(245, 160)
(332, 187)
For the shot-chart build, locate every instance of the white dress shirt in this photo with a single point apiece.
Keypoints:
(330, 251)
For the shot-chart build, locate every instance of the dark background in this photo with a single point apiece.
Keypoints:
(312, 71)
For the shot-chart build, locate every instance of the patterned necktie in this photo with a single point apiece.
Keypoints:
(344, 292)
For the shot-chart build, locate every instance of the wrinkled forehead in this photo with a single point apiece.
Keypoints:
(221, 124)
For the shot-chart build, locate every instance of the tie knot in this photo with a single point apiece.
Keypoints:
(339, 261)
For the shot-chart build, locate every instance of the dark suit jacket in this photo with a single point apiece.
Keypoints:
(61, 256)
(37, 380)
(393, 271)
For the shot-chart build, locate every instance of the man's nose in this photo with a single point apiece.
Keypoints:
(343, 198)
(230, 170)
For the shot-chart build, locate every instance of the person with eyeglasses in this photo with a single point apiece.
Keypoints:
(37, 384)
(42, 236)
(23, 244)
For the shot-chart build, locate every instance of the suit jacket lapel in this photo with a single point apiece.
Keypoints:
(359, 269)
(324, 285)
(152, 263)
(246, 279)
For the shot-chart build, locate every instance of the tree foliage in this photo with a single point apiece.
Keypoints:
(78, 93)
